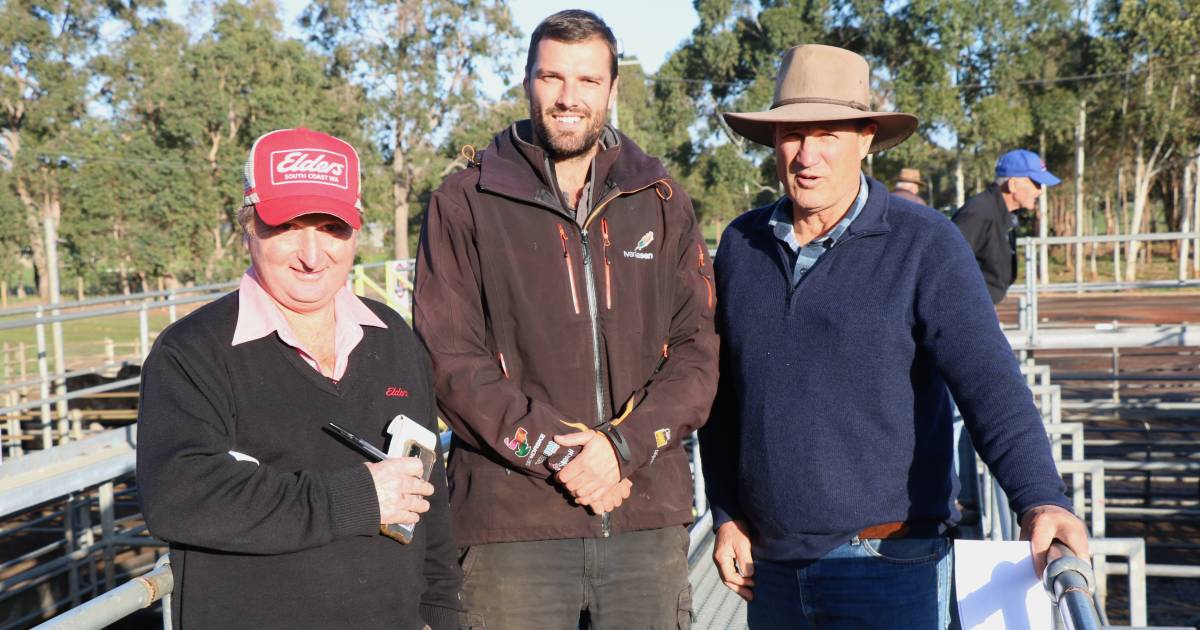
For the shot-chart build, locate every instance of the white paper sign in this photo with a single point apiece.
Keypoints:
(997, 588)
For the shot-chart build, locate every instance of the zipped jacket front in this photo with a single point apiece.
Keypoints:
(539, 325)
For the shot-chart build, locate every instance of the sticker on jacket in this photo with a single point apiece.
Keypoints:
(662, 437)
(551, 449)
(566, 459)
(642, 244)
(519, 443)
(536, 445)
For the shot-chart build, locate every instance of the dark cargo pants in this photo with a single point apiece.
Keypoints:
(630, 580)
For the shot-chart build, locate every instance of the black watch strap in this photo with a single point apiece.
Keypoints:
(614, 436)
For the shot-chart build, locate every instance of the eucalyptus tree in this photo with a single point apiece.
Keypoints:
(1152, 44)
(45, 50)
(189, 106)
(419, 61)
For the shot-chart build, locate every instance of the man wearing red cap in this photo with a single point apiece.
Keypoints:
(273, 523)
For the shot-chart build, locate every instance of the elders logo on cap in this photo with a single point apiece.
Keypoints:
(309, 165)
(293, 172)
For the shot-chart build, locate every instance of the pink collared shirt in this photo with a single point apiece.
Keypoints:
(259, 316)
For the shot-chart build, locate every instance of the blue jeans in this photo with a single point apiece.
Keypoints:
(891, 583)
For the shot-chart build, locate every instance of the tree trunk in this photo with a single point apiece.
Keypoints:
(1080, 133)
(960, 191)
(1185, 224)
(37, 244)
(1196, 212)
(1141, 194)
(400, 188)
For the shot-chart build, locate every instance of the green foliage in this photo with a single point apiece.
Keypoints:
(127, 132)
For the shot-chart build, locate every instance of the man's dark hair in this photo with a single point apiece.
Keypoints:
(572, 26)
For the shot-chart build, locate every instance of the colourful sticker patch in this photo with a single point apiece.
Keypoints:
(662, 437)
(519, 443)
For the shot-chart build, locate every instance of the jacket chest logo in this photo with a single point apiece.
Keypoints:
(637, 251)
(396, 392)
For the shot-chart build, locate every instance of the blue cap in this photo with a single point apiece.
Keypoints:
(1022, 163)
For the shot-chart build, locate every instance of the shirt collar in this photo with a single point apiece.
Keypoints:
(259, 315)
(781, 218)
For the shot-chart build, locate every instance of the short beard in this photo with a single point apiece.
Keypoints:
(557, 150)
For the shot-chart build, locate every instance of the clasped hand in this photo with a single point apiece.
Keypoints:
(593, 477)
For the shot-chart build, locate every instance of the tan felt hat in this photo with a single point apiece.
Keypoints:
(819, 84)
(910, 175)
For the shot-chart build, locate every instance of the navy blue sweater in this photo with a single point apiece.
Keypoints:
(832, 413)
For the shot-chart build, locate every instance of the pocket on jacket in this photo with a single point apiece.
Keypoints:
(467, 559)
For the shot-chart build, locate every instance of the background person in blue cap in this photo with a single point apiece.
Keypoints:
(988, 222)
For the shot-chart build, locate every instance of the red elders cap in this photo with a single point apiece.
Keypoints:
(291, 172)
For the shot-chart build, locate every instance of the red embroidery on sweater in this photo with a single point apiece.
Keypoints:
(396, 392)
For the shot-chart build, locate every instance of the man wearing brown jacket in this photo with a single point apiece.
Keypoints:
(565, 295)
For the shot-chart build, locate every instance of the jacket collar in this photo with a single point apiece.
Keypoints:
(997, 197)
(516, 167)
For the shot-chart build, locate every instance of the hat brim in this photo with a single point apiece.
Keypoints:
(1044, 178)
(276, 211)
(894, 127)
(911, 181)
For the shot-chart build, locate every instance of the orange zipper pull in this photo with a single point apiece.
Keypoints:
(607, 264)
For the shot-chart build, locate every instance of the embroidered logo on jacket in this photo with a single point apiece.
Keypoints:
(396, 392)
(642, 243)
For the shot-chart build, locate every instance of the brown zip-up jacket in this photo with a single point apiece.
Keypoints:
(539, 326)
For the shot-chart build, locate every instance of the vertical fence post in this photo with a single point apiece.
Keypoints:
(1117, 261)
(60, 368)
(69, 548)
(21, 360)
(144, 330)
(107, 532)
(172, 312)
(110, 351)
(1116, 379)
(1031, 293)
(699, 496)
(44, 386)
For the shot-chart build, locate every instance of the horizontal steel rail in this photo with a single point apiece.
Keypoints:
(79, 393)
(113, 299)
(104, 312)
(117, 604)
(1108, 238)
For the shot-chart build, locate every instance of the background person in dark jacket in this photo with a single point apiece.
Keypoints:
(565, 295)
(988, 222)
(844, 314)
(272, 522)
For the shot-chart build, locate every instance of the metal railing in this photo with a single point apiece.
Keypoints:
(53, 401)
(1071, 584)
(132, 596)
(1028, 318)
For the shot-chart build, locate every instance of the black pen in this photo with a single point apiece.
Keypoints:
(366, 447)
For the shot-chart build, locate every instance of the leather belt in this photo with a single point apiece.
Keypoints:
(897, 529)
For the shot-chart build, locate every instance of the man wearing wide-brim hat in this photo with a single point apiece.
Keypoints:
(847, 318)
(908, 185)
